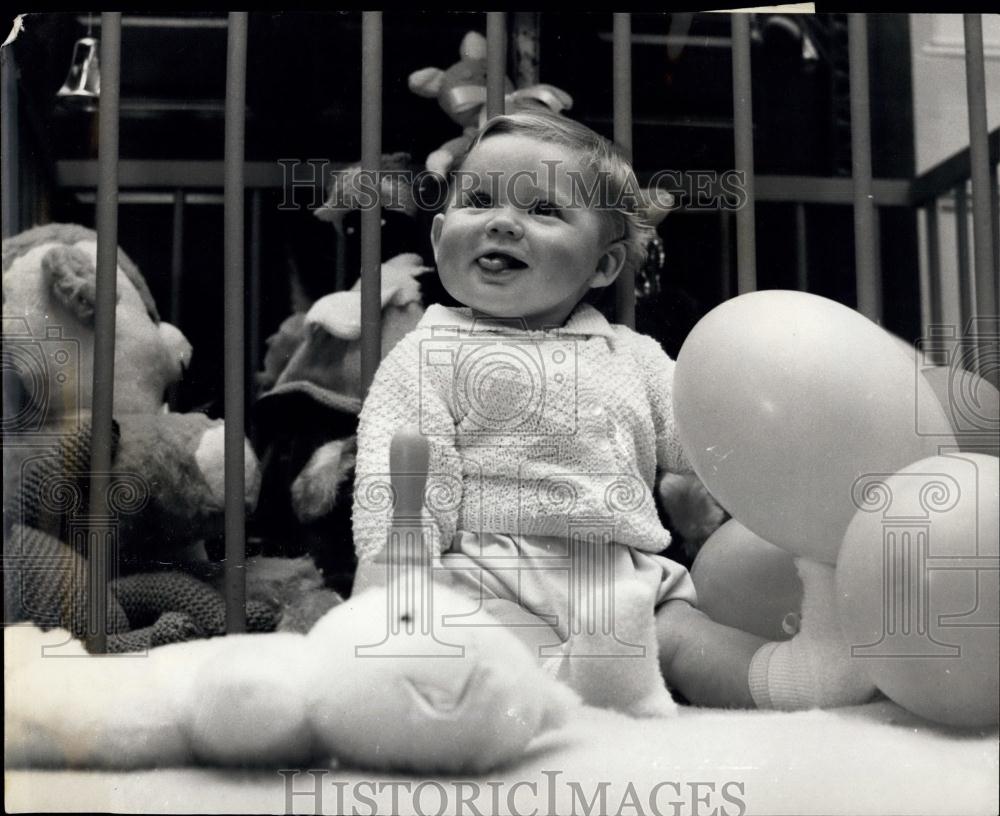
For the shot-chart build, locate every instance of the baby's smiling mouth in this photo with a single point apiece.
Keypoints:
(499, 262)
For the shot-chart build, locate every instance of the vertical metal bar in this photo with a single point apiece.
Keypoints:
(801, 249)
(236, 69)
(176, 276)
(10, 199)
(496, 63)
(982, 228)
(371, 218)
(622, 85)
(869, 289)
(746, 249)
(995, 218)
(966, 283)
(726, 254)
(931, 290)
(177, 257)
(253, 336)
(101, 558)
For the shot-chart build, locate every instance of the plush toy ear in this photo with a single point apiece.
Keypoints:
(70, 274)
(473, 46)
(426, 82)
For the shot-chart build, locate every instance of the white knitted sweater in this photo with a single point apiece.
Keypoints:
(530, 432)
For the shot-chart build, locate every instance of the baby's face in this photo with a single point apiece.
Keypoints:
(513, 243)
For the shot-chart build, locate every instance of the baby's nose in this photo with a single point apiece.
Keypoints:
(504, 223)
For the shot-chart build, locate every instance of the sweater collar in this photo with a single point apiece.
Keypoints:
(585, 321)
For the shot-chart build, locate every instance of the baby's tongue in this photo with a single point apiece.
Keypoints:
(497, 262)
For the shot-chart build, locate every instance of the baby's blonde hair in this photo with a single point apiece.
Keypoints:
(620, 201)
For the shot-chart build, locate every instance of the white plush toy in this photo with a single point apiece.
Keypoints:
(278, 699)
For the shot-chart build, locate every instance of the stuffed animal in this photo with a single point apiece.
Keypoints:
(166, 487)
(307, 418)
(342, 692)
(461, 92)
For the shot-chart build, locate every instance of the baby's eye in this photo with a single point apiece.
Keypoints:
(477, 199)
(546, 208)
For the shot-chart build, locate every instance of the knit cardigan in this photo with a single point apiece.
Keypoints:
(530, 431)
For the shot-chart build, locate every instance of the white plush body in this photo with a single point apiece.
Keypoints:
(280, 698)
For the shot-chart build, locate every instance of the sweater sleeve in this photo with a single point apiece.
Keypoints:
(658, 373)
(400, 397)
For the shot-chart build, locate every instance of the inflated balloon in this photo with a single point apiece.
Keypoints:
(743, 581)
(972, 405)
(917, 587)
(783, 399)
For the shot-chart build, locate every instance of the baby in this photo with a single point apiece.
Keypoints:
(547, 428)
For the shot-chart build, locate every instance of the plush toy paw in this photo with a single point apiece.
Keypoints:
(620, 669)
(815, 668)
(315, 489)
(693, 511)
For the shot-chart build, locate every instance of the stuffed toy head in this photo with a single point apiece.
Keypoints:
(461, 92)
(49, 289)
(166, 486)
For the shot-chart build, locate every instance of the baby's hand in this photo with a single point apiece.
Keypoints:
(693, 511)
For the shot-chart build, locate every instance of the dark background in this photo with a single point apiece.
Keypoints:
(304, 99)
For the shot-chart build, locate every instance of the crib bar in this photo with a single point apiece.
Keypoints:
(801, 249)
(725, 254)
(982, 228)
(869, 289)
(931, 291)
(254, 303)
(746, 250)
(622, 117)
(176, 276)
(235, 128)
(965, 280)
(371, 218)
(496, 63)
(100, 562)
(177, 257)
(10, 195)
(995, 218)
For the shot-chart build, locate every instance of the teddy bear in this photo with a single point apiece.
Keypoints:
(283, 699)
(166, 486)
(307, 416)
(461, 92)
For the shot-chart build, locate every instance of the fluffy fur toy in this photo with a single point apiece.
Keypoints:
(283, 699)
(307, 418)
(166, 487)
(461, 92)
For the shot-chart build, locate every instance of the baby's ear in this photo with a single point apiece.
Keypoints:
(610, 265)
(436, 226)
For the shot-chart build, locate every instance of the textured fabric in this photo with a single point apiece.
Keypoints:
(530, 432)
(541, 575)
(815, 668)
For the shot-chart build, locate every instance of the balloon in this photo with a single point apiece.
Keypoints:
(972, 406)
(917, 587)
(743, 581)
(783, 399)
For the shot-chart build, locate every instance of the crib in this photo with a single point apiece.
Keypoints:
(973, 276)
